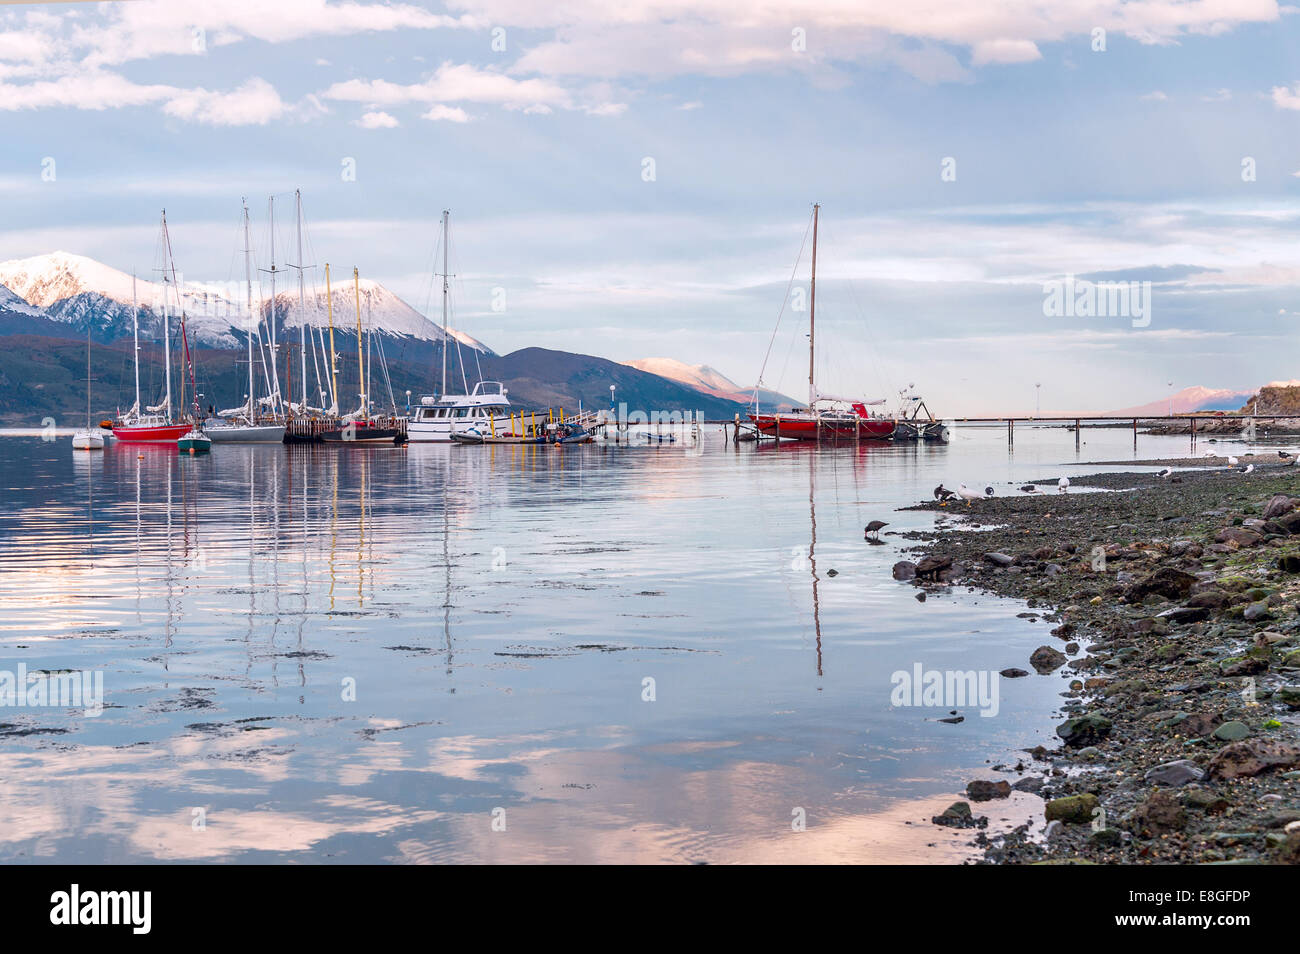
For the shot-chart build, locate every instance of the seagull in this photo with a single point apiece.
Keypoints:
(1233, 462)
(1165, 473)
(1285, 456)
(966, 494)
(943, 494)
(1248, 469)
(1029, 489)
(1063, 485)
(1209, 453)
(874, 528)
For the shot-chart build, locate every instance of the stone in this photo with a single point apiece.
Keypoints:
(958, 815)
(932, 566)
(1012, 673)
(1045, 659)
(1174, 774)
(1257, 610)
(1209, 598)
(1160, 813)
(1182, 615)
(1072, 809)
(1107, 837)
(1084, 730)
(1250, 757)
(1168, 581)
(1289, 563)
(1279, 504)
(982, 790)
(1233, 731)
(904, 570)
(999, 559)
(1289, 696)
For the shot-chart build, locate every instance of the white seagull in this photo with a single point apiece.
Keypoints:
(1233, 462)
(1063, 485)
(966, 494)
(1165, 473)
(1248, 469)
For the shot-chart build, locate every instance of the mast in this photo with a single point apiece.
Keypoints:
(135, 335)
(167, 341)
(302, 308)
(361, 368)
(275, 368)
(334, 374)
(87, 375)
(812, 312)
(445, 214)
(248, 282)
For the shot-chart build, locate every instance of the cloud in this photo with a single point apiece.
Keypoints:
(1218, 96)
(1005, 51)
(254, 103)
(1155, 96)
(377, 120)
(1285, 97)
(452, 114)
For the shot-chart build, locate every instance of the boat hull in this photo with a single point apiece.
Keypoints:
(246, 434)
(193, 443)
(805, 428)
(87, 440)
(363, 434)
(150, 433)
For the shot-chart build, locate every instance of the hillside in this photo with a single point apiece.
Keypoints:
(711, 381)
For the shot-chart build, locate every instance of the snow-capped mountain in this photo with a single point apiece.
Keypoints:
(1190, 400)
(83, 292)
(709, 380)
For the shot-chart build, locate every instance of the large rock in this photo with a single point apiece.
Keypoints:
(1169, 582)
(932, 566)
(1045, 659)
(1160, 813)
(1279, 504)
(1241, 536)
(982, 790)
(1173, 774)
(1252, 757)
(1084, 730)
(904, 570)
(958, 815)
(999, 559)
(1072, 809)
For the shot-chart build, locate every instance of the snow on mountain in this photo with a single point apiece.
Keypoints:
(83, 292)
(15, 303)
(1195, 398)
(707, 379)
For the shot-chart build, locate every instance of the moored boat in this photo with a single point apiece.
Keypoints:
(194, 441)
(244, 433)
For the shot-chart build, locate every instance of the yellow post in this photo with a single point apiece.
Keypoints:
(361, 370)
(550, 414)
(561, 415)
(334, 373)
(492, 425)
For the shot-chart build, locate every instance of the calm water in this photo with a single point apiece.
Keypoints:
(498, 612)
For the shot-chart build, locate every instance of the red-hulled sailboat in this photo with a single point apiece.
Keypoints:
(154, 425)
(827, 417)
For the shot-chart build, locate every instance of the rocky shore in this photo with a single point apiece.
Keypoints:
(1177, 629)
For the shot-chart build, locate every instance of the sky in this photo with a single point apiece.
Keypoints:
(636, 179)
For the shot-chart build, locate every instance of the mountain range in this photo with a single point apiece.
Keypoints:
(711, 381)
(49, 303)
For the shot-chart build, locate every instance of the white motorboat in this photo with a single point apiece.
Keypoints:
(486, 410)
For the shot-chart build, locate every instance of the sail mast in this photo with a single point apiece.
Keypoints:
(445, 214)
(248, 282)
(167, 341)
(135, 335)
(302, 308)
(334, 374)
(812, 312)
(275, 353)
(361, 368)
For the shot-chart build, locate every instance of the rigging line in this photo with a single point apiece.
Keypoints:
(788, 288)
(871, 352)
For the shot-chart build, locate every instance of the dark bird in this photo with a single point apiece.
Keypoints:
(1165, 473)
(942, 493)
(988, 491)
(874, 527)
(1029, 489)
(1284, 455)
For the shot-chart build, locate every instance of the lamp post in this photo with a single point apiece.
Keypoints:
(1038, 399)
(1171, 399)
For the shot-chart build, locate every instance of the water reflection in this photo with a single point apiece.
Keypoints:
(497, 611)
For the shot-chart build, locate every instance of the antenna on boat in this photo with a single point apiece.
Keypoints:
(446, 213)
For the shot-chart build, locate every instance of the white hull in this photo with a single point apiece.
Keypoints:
(87, 440)
(246, 433)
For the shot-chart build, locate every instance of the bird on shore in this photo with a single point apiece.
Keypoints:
(1233, 462)
(1029, 489)
(1248, 469)
(874, 527)
(943, 494)
(1209, 453)
(966, 494)
(1165, 473)
(1063, 485)
(1285, 456)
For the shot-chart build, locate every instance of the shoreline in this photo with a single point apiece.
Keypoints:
(1176, 620)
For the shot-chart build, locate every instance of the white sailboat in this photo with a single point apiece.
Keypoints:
(439, 416)
(245, 425)
(91, 437)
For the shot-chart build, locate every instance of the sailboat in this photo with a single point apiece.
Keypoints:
(439, 417)
(359, 427)
(91, 438)
(827, 416)
(154, 425)
(245, 425)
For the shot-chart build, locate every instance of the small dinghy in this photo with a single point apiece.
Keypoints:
(88, 440)
(194, 441)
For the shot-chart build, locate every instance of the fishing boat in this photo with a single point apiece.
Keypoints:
(153, 425)
(826, 417)
(90, 438)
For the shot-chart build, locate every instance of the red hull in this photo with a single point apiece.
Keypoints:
(804, 428)
(151, 434)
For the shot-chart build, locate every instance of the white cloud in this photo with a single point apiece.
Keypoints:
(1285, 97)
(1218, 96)
(452, 114)
(1005, 51)
(254, 103)
(1155, 96)
(377, 120)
